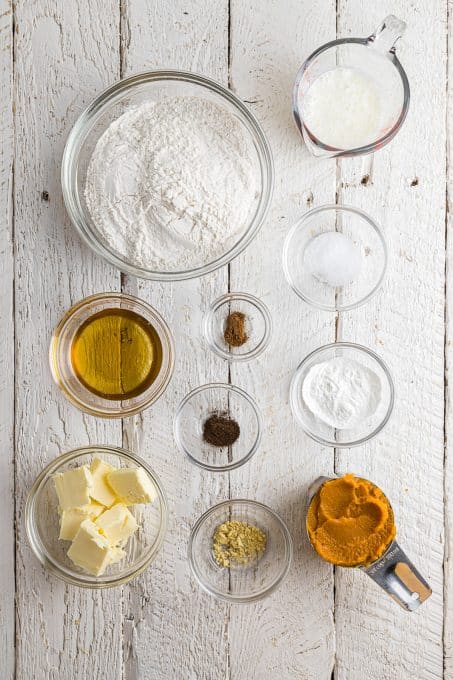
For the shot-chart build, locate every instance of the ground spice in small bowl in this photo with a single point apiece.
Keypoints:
(220, 430)
(235, 334)
(239, 543)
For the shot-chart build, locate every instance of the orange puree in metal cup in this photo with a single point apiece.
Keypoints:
(350, 521)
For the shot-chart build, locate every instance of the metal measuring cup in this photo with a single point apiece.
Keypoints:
(374, 56)
(393, 571)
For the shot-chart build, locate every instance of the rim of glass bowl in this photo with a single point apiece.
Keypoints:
(209, 322)
(53, 566)
(295, 389)
(165, 336)
(372, 146)
(231, 388)
(92, 113)
(300, 225)
(243, 599)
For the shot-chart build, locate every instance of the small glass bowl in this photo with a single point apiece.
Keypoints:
(198, 406)
(369, 427)
(61, 365)
(257, 326)
(241, 584)
(366, 236)
(42, 522)
(115, 101)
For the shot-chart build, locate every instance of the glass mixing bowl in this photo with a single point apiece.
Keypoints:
(367, 241)
(115, 101)
(42, 521)
(221, 399)
(67, 380)
(368, 427)
(241, 584)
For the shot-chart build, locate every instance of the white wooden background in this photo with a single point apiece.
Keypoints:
(56, 55)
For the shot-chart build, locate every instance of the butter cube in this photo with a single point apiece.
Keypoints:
(117, 524)
(101, 491)
(73, 487)
(132, 485)
(90, 550)
(117, 554)
(71, 519)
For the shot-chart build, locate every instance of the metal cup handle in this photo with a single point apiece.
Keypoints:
(396, 574)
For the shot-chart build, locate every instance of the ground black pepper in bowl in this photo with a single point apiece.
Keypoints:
(206, 426)
(220, 430)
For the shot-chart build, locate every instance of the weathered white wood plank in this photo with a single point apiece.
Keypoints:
(173, 630)
(7, 543)
(291, 634)
(448, 512)
(65, 53)
(375, 638)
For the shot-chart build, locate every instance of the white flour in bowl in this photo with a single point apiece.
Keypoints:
(172, 184)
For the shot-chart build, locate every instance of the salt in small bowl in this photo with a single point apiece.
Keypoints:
(365, 238)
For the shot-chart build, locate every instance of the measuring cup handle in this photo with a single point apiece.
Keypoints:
(386, 34)
(396, 574)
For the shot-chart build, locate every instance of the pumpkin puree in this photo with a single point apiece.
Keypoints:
(350, 521)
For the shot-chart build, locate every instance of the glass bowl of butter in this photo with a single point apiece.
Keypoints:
(96, 517)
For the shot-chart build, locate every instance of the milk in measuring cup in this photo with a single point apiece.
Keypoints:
(342, 108)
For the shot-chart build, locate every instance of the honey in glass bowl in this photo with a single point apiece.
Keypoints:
(112, 355)
(116, 353)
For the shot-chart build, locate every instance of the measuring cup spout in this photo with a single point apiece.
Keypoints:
(387, 34)
(396, 574)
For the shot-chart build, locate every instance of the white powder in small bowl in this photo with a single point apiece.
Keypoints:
(333, 258)
(341, 392)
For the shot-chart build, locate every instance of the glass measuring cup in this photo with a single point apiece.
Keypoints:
(393, 571)
(374, 57)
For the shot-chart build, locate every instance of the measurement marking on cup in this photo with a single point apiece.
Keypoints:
(386, 558)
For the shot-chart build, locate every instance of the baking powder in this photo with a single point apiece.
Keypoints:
(341, 392)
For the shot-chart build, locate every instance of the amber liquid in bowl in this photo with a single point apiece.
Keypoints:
(116, 354)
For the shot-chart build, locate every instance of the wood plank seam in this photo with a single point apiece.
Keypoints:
(446, 669)
(13, 291)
